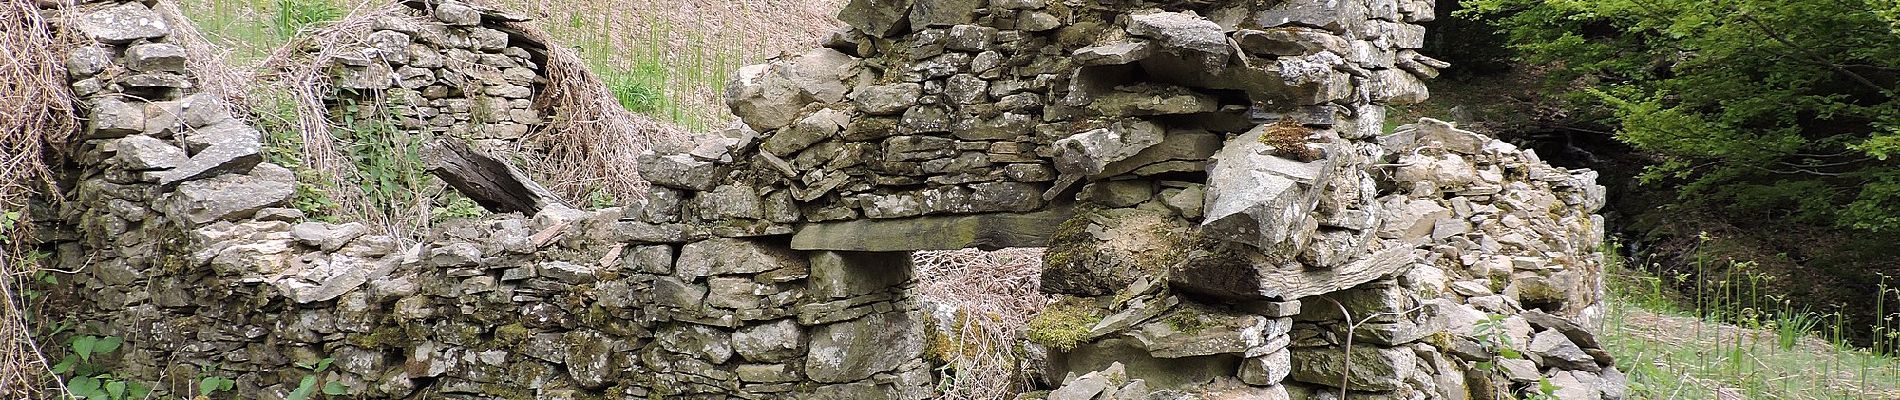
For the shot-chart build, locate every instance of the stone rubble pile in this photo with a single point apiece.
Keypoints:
(1213, 179)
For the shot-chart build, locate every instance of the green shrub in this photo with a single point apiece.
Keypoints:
(1777, 108)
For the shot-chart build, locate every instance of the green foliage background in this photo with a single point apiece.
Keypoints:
(1775, 108)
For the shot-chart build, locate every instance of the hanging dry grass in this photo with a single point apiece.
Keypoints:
(994, 294)
(36, 109)
(592, 140)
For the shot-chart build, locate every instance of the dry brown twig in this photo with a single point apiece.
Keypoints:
(994, 294)
(37, 111)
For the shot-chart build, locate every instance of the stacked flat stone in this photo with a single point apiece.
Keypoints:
(1212, 178)
(445, 72)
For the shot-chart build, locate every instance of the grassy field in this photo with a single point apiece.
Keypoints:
(1726, 340)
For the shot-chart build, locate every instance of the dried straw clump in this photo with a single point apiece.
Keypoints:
(36, 111)
(592, 141)
(994, 295)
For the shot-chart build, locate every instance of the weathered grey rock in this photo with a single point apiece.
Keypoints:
(1267, 370)
(224, 148)
(1372, 368)
(880, 18)
(123, 23)
(680, 171)
(703, 342)
(327, 237)
(1340, 18)
(1089, 385)
(1195, 332)
(143, 153)
(1153, 99)
(987, 231)
(821, 74)
(722, 256)
(770, 342)
(971, 38)
(886, 99)
(1038, 21)
(1089, 153)
(940, 13)
(1117, 53)
(1181, 30)
(1519, 370)
(327, 277)
(455, 13)
(155, 57)
(1551, 349)
(839, 275)
(728, 202)
(766, 373)
(231, 196)
(112, 118)
(592, 358)
(1290, 41)
(819, 126)
(1260, 199)
(764, 98)
(672, 292)
(856, 349)
(83, 62)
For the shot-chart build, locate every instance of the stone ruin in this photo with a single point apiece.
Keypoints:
(1223, 206)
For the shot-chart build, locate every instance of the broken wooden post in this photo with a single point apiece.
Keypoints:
(495, 184)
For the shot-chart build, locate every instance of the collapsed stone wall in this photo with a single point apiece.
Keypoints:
(1211, 178)
(448, 70)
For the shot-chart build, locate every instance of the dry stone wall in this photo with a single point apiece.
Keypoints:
(452, 70)
(1220, 199)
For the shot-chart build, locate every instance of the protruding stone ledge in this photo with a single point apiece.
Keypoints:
(985, 231)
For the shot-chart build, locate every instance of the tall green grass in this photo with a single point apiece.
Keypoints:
(1725, 337)
(252, 29)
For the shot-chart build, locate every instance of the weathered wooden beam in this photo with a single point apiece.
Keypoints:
(493, 183)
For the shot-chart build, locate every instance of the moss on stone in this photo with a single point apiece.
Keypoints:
(382, 337)
(1065, 324)
(1187, 320)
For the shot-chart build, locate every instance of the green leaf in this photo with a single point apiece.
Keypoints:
(83, 385)
(65, 365)
(304, 388)
(107, 345)
(335, 388)
(83, 346)
(207, 385)
(324, 364)
(136, 390)
(115, 389)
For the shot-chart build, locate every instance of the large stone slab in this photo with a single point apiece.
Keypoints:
(1260, 199)
(230, 197)
(856, 349)
(1372, 368)
(1244, 274)
(124, 23)
(985, 231)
